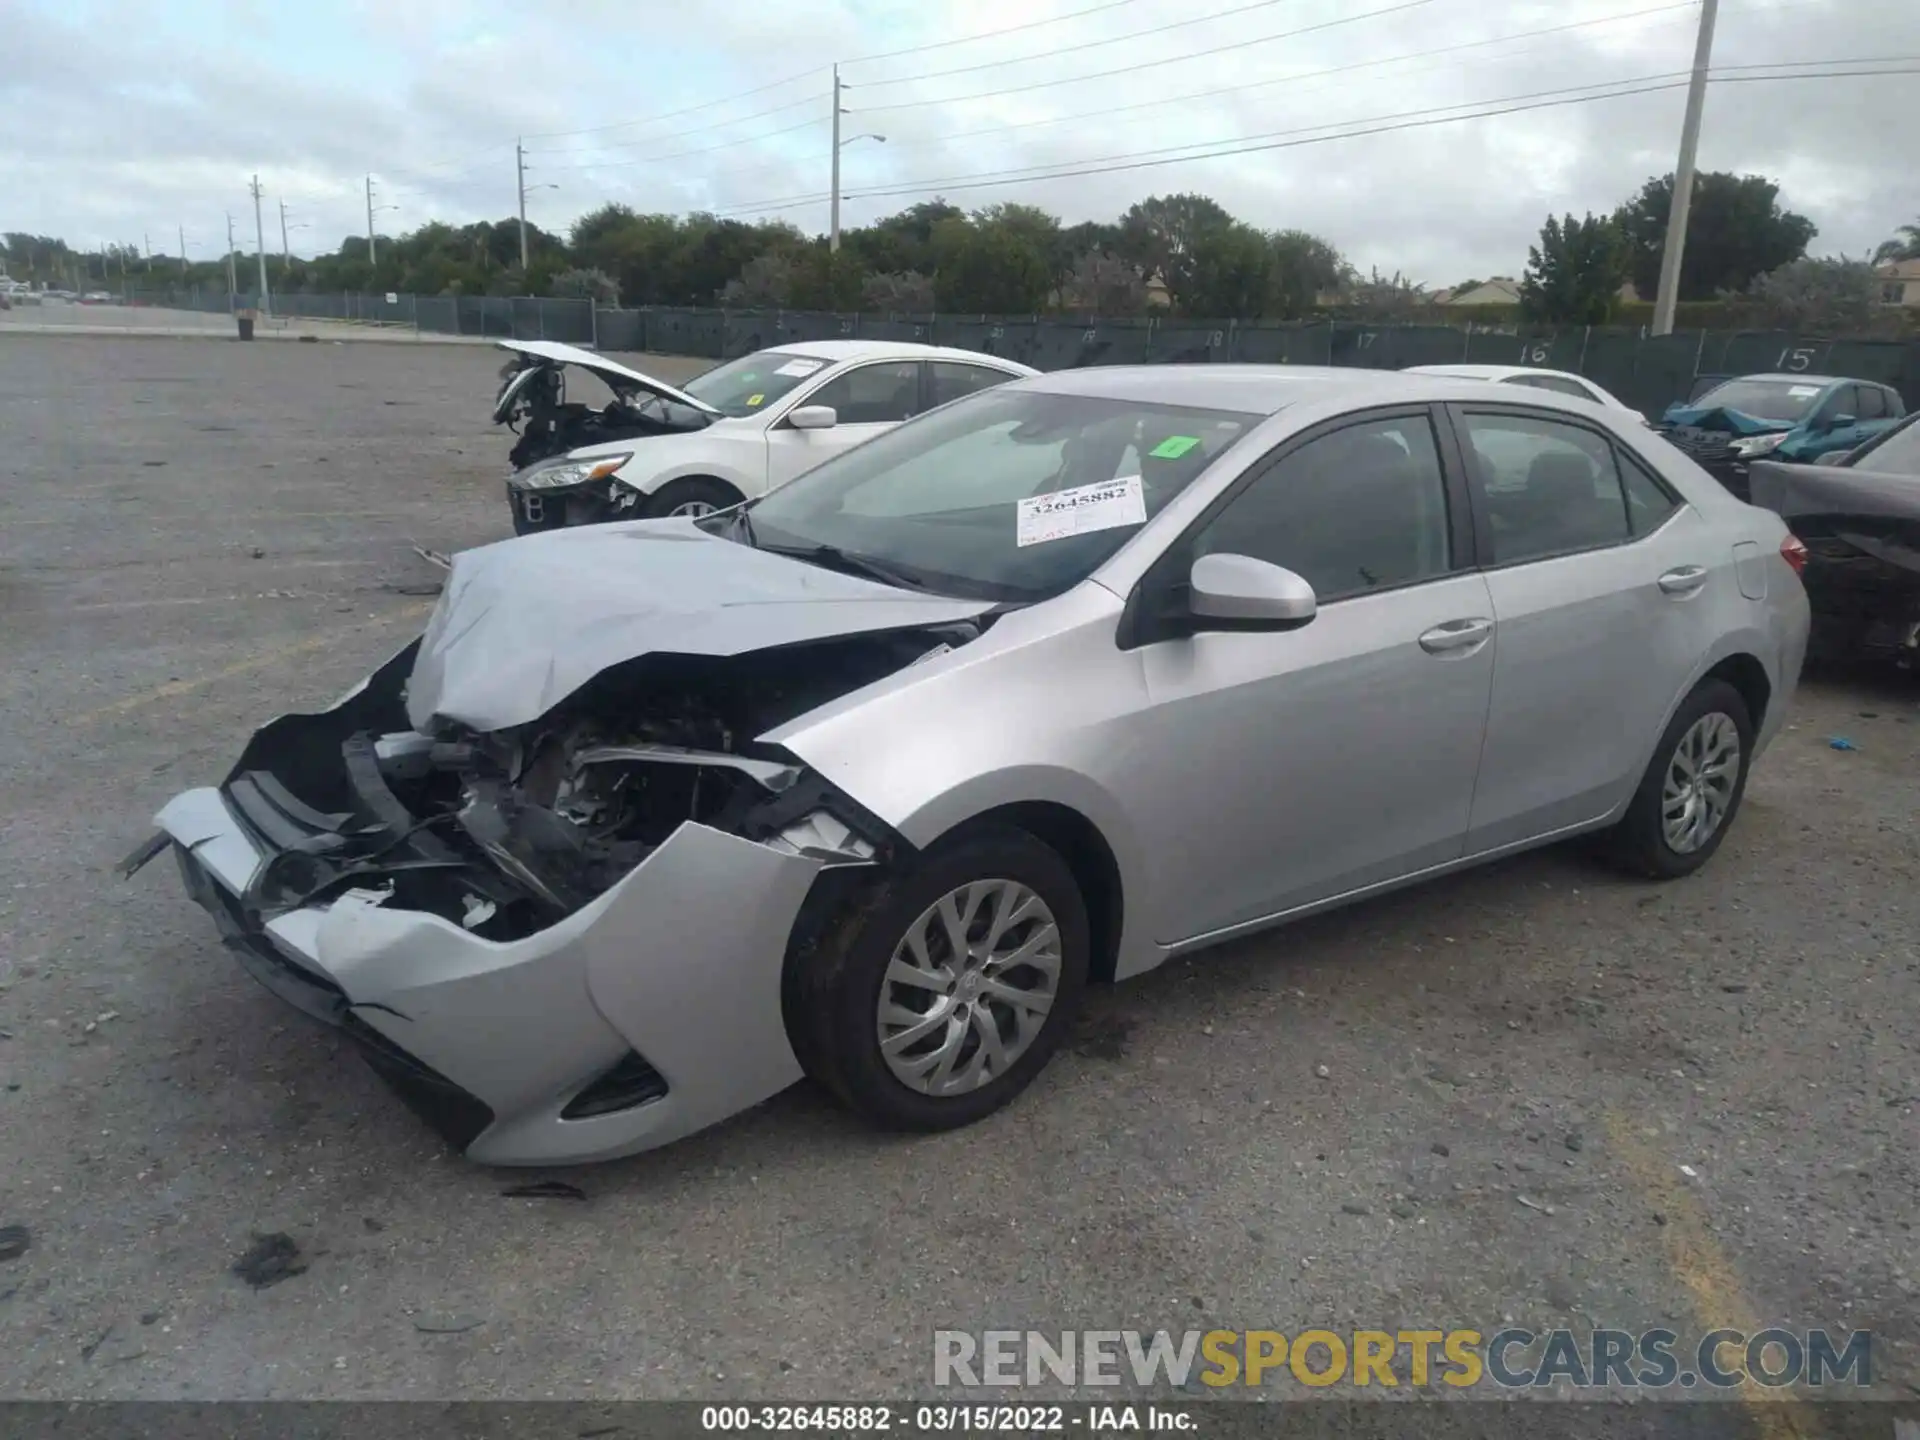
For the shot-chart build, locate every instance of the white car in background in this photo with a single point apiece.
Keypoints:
(741, 429)
(1560, 382)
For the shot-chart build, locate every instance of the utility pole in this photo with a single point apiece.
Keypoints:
(1677, 212)
(833, 212)
(372, 259)
(286, 255)
(520, 184)
(183, 252)
(260, 248)
(233, 279)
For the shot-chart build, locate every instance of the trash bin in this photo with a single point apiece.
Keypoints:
(245, 319)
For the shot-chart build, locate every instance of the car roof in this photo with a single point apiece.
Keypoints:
(1777, 377)
(1253, 389)
(1494, 372)
(871, 349)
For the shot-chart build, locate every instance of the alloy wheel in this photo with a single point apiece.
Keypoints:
(693, 509)
(969, 987)
(1698, 788)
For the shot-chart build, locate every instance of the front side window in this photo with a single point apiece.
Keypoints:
(749, 385)
(882, 394)
(1548, 487)
(1007, 494)
(1363, 508)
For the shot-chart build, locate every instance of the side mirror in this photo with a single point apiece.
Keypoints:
(1837, 422)
(814, 417)
(1238, 592)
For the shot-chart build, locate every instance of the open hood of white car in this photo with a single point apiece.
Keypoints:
(621, 379)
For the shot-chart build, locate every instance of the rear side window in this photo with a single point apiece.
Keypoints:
(1648, 501)
(1548, 487)
(952, 379)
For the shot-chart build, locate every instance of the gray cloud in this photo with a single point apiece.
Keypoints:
(429, 97)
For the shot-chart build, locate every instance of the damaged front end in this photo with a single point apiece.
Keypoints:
(544, 935)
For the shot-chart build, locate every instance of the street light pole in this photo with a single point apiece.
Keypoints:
(1668, 297)
(183, 252)
(833, 211)
(260, 248)
(286, 254)
(372, 259)
(233, 279)
(520, 183)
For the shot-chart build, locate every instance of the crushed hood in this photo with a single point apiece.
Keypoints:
(1717, 417)
(619, 378)
(524, 623)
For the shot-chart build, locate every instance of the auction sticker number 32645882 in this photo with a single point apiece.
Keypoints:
(1108, 505)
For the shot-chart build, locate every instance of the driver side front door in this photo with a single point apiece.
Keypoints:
(870, 399)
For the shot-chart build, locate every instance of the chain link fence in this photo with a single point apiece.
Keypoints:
(1647, 372)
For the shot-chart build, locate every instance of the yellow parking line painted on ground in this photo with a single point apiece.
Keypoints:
(173, 689)
(1719, 1299)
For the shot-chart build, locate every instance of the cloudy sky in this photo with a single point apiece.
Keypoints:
(123, 121)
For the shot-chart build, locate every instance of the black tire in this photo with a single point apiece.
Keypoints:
(1638, 843)
(834, 987)
(694, 490)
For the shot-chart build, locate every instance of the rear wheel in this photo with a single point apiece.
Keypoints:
(950, 991)
(1692, 790)
(690, 498)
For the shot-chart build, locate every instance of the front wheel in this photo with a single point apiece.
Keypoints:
(940, 1001)
(1692, 789)
(690, 498)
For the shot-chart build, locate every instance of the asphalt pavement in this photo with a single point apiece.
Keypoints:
(1538, 1094)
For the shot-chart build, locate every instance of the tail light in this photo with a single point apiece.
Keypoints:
(1794, 553)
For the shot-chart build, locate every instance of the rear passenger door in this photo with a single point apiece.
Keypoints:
(1601, 582)
(951, 379)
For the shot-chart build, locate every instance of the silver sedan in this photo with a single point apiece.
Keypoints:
(868, 779)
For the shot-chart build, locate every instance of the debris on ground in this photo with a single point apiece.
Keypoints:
(87, 1351)
(1840, 742)
(433, 557)
(269, 1259)
(447, 1324)
(15, 1241)
(1534, 1205)
(544, 1190)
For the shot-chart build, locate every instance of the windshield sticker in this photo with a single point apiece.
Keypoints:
(1173, 447)
(1082, 510)
(753, 400)
(799, 367)
(1803, 392)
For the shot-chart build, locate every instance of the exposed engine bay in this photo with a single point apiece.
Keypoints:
(505, 833)
(532, 402)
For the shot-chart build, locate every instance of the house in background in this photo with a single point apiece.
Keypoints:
(1899, 282)
(1498, 291)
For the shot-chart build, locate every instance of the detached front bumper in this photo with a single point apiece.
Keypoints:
(592, 502)
(650, 1013)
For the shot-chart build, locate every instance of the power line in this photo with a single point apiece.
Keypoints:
(675, 114)
(1171, 100)
(986, 34)
(1153, 64)
(819, 100)
(1378, 125)
(1084, 45)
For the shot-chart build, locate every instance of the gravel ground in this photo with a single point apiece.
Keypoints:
(1465, 1103)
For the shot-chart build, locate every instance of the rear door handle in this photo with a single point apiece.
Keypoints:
(1685, 580)
(1456, 635)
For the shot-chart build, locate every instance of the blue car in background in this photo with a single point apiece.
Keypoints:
(1778, 417)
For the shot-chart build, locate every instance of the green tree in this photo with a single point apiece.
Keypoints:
(1304, 267)
(1905, 245)
(1574, 274)
(1736, 232)
(984, 266)
(1165, 235)
(1831, 296)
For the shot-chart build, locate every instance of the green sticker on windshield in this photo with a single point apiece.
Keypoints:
(753, 400)
(1173, 447)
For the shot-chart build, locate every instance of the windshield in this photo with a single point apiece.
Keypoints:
(1895, 453)
(1783, 400)
(1003, 495)
(748, 385)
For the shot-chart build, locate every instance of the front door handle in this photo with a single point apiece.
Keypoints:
(1685, 580)
(1456, 635)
